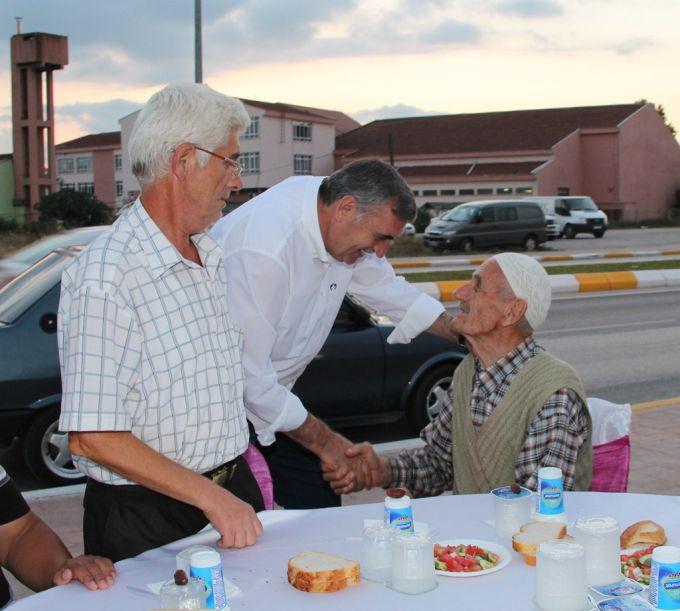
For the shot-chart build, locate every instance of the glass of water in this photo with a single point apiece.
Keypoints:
(511, 509)
(376, 561)
(599, 536)
(561, 583)
(412, 563)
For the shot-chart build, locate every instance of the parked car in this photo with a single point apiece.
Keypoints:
(23, 258)
(483, 224)
(357, 378)
(409, 229)
(574, 214)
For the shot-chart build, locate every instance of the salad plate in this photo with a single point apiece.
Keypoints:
(474, 557)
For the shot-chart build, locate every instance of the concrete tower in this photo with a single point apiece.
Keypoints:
(34, 57)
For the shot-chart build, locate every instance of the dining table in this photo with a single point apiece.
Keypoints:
(257, 574)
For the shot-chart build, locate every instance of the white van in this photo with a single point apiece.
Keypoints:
(573, 214)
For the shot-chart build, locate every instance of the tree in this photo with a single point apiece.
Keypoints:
(662, 113)
(74, 209)
(422, 220)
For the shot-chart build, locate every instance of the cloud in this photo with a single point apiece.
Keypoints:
(395, 111)
(531, 8)
(95, 117)
(632, 45)
(453, 32)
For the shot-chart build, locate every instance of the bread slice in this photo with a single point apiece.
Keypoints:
(642, 534)
(322, 572)
(532, 534)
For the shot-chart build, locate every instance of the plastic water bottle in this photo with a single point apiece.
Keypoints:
(207, 565)
(549, 496)
(664, 581)
(398, 510)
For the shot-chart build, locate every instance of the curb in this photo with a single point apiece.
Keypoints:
(443, 290)
(548, 258)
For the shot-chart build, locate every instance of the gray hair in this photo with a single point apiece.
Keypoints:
(372, 183)
(178, 113)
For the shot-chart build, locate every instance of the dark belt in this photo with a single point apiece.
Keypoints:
(222, 474)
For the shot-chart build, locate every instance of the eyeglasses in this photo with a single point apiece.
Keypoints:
(231, 163)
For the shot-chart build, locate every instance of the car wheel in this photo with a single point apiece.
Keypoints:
(569, 232)
(428, 398)
(466, 245)
(598, 234)
(46, 450)
(530, 242)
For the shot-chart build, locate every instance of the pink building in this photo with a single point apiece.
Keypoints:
(623, 156)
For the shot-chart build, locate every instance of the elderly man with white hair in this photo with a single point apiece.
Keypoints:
(513, 408)
(151, 368)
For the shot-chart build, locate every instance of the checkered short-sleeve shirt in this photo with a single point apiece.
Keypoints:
(146, 345)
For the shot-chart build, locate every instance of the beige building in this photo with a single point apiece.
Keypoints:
(92, 164)
(283, 140)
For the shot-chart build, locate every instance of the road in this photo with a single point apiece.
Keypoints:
(620, 239)
(625, 345)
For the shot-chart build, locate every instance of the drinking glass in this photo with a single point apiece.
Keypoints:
(561, 583)
(189, 596)
(511, 510)
(412, 563)
(599, 536)
(376, 562)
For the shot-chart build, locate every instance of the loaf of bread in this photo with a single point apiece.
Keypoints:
(532, 534)
(322, 572)
(642, 534)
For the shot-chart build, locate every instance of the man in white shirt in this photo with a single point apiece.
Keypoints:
(152, 382)
(291, 254)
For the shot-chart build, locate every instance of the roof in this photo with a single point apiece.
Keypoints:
(105, 139)
(517, 130)
(471, 170)
(343, 123)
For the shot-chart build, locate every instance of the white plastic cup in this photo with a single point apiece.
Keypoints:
(600, 538)
(376, 561)
(183, 558)
(412, 564)
(511, 510)
(561, 583)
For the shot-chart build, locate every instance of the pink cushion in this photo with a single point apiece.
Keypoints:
(611, 462)
(258, 465)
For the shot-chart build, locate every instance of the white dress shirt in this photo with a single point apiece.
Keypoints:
(284, 291)
(146, 346)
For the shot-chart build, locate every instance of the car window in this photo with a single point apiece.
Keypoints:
(580, 203)
(561, 208)
(31, 253)
(20, 294)
(487, 214)
(506, 213)
(460, 214)
(529, 212)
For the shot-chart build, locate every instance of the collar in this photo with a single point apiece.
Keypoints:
(161, 254)
(495, 374)
(310, 219)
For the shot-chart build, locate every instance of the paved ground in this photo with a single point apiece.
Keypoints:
(655, 461)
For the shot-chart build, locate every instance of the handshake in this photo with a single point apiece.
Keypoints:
(355, 467)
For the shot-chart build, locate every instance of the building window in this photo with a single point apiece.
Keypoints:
(67, 185)
(119, 188)
(416, 193)
(302, 132)
(447, 192)
(86, 187)
(118, 161)
(250, 162)
(504, 191)
(524, 190)
(484, 191)
(65, 165)
(253, 130)
(429, 192)
(562, 190)
(84, 164)
(302, 164)
(466, 192)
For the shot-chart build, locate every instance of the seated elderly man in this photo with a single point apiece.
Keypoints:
(513, 409)
(34, 553)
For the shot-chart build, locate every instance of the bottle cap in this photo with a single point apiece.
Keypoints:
(550, 473)
(205, 559)
(666, 553)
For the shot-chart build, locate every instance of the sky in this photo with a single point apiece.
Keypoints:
(371, 59)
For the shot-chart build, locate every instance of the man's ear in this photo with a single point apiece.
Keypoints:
(345, 208)
(515, 312)
(182, 156)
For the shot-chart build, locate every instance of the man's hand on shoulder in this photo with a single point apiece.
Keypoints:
(94, 572)
(234, 519)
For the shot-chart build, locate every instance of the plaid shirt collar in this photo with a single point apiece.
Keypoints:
(494, 375)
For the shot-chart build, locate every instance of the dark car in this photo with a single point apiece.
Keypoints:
(484, 224)
(357, 378)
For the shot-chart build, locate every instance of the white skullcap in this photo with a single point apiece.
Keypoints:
(529, 281)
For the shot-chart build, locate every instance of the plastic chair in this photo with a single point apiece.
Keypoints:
(258, 465)
(611, 445)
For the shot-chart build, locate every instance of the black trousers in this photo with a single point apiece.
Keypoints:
(297, 475)
(123, 521)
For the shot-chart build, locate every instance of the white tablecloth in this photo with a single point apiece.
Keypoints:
(260, 571)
